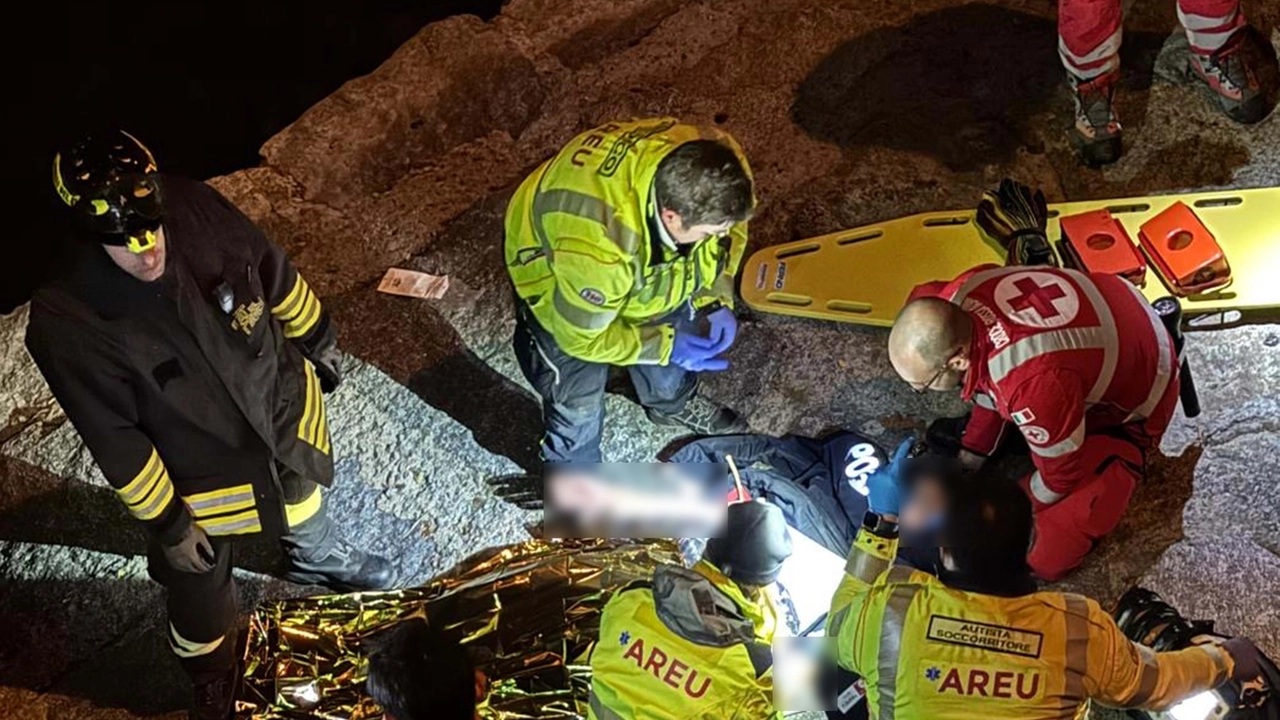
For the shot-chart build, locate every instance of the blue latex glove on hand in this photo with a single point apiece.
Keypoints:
(884, 487)
(724, 329)
(696, 353)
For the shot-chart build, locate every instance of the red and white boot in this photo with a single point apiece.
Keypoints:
(1229, 74)
(1098, 131)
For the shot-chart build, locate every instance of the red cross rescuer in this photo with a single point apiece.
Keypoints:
(1079, 363)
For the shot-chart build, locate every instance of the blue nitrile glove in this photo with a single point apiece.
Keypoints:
(724, 329)
(696, 353)
(884, 487)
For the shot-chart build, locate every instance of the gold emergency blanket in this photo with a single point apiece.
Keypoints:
(528, 614)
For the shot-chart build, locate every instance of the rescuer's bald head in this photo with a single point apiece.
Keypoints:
(927, 336)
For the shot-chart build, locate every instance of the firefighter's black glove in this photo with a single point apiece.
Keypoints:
(328, 362)
(193, 553)
(1016, 216)
(1245, 657)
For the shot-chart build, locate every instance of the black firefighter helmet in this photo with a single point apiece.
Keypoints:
(108, 179)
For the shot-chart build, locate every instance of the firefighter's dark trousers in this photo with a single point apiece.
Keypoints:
(202, 606)
(572, 390)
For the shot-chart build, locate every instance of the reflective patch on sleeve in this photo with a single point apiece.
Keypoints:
(1067, 445)
(1042, 492)
(150, 491)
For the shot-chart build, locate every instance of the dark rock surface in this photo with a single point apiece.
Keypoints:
(851, 112)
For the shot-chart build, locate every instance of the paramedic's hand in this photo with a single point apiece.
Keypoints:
(192, 554)
(696, 353)
(724, 329)
(1245, 656)
(884, 487)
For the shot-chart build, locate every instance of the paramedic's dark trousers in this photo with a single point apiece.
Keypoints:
(202, 606)
(572, 390)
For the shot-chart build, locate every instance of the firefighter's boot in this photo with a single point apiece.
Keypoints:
(319, 556)
(1229, 73)
(215, 695)
(702, 416)
(1097, 129)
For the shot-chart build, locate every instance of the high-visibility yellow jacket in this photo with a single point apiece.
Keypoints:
(663, 653)
(929, 651)
(583, 250)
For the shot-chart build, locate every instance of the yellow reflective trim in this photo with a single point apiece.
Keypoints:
(308, 405)
(223, 500)
(322, 433)
(299, 513)
(67, 196)
(318, 405)
(185, 648)
(141, 484)
(238, 524)
(307, 320)
(285, 307)
(157, 506)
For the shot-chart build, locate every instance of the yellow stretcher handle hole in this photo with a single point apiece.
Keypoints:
(946, 221)
(1134, 208)
(793, 251)
(1218, 202)
(860, 237)
(789, 299)
(849, 306)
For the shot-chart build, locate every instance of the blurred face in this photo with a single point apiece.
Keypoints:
(146, 266)
(925, 508)
(691, 234)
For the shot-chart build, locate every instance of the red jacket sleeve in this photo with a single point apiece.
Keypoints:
(984, 431)
(1048, 408)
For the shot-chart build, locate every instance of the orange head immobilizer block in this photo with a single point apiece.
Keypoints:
(1184, 251)
(1098, 243)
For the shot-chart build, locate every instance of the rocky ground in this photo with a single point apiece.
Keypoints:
(851, 112)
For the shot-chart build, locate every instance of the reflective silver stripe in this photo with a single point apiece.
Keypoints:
(185, 648)
(1149, 675)
(1033, 346)
(238, 524)
(1077, 651)
(599, 710)
(1058, 449)
(1164, 366)
(892, 624)
(984, 400)
(1219, 660)
(546, 358)
(1105, 49)
(978, 278)
(1042, 491)
(836, 622)
(1110, 337)
(651, 340)
(864, 566)
(588, 207)
(580, 317)
(157, 502)
(212, 503)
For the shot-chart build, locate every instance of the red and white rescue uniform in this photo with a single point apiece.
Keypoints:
(1083, 367)
(1089, 31)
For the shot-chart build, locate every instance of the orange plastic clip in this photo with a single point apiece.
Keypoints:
(1184, 251)
(1097, 242)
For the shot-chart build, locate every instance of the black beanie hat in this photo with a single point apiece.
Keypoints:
(754, 544)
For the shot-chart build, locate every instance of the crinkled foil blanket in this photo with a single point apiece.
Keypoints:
(528, 614)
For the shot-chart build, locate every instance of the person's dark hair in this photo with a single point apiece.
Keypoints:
(416, 673)
(705, 183)
(987, 534)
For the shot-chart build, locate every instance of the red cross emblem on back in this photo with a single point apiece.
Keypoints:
(1037, 298)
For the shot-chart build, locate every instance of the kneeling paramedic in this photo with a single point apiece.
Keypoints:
(696, 643)
(620, 248)
(191, 357)
(978, 639)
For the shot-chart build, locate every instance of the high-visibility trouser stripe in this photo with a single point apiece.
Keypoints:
(237, 524)
(288, 307)
(300, 512)
(1164, 364)
(1042, 492)
(892, 625)
(1033, 346)
(1207, 34)
(1098, 61)
(185, 648)
(600, 711)
(864, 566)
(1110, 337)
(306, 319)
(581, 318)
(1069, 444)
(1077, 650)
(221, 501)
(587, 207)
(651, 342)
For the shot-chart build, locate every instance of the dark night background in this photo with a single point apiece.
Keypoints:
(202, 83)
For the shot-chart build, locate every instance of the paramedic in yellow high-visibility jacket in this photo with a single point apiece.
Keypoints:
(623, 250)
(978, 640)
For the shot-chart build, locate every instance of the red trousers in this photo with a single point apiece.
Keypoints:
(1089, 31)
(1067, 530)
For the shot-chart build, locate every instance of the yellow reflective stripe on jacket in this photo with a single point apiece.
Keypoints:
(223, 500)
(313, 428)
(148, 494)
(302, 511)
(243, 523)
(299, 310)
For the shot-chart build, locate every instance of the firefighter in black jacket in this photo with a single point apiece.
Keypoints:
(191, 357)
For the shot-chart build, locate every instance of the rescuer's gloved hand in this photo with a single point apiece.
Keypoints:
(696, 353)
(328, 364)
(193, 553)
(884, 487)
(1246, 657)
(724, 329)
(1016, 216)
